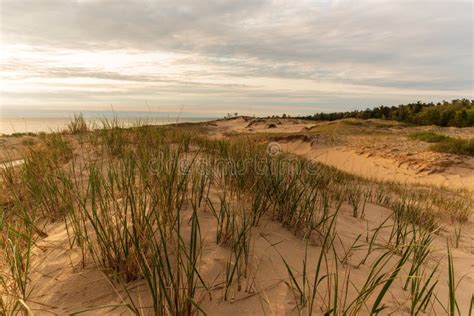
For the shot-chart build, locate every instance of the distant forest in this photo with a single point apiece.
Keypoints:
(459, 113)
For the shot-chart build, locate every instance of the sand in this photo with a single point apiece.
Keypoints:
(61, 285)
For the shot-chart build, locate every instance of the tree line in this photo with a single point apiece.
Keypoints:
(458, 113)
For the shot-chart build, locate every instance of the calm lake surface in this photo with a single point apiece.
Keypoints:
(35, 125)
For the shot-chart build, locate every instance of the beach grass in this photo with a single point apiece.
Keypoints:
(446, 144)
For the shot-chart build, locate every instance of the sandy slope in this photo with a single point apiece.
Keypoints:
(380, 168)
(62, 285)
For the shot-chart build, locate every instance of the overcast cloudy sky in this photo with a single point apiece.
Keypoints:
(214, 57)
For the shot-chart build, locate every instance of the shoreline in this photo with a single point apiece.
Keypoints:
(36, 125)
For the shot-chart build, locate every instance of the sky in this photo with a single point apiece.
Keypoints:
(209, 58)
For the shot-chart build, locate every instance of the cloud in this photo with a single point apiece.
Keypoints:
(229, 52)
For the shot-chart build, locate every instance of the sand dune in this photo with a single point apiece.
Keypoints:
(64, 280)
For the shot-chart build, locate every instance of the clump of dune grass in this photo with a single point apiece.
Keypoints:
(429, 137)
(446, 144)
(19, 230)
(78, 124)
(130, 220)
(16, 240)
(456, 146)
(113, 137)
(57, 147)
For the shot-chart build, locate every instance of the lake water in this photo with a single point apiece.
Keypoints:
(35, 125)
